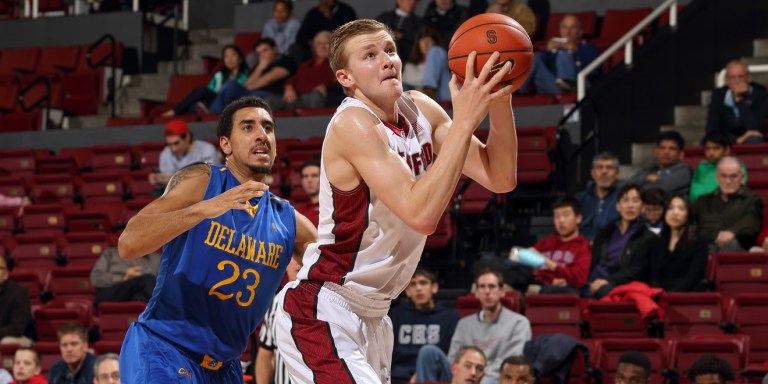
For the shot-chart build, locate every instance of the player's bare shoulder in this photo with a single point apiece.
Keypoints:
(434, 113)
(192, 174)
(354, 124)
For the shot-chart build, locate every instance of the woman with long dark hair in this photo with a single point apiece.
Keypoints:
(679, 266)
(233, 68)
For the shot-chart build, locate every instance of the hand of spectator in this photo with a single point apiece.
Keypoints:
(413, 379)
(559, 282)
(553, 45)
(597, 284)
(652, 178)
(751, 133)
(289, 95)
(570, 46)
(321, 89)
(132, 272)
(549, 264)
(724, 237)
(152, 178)
(24, 202)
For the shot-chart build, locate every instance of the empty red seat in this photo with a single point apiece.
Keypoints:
(245, 41)
(102, 186)
(473, 198)
(57, 60)
(740, 272)
(443, 235)
(115, 318)
(617, 22)
(532, 143)
(9, 97)
(71, 282)
(19, 162)
(533, 167)
(111, 157)
(12, 186)
(132, 207)
(615, 320)
(693, 313)
(659, 351)
(82, 156)
(138, 184)
(84, 249)
(147, 155)
(7, 221)
(18, 61)
(35, 251)
(108, 346)
(29, 280)
(469, 304)
(53, 188)
(181, 86)
(550, 314)
(49, 353)
(750, 316)
(44, 219)
(48, 321)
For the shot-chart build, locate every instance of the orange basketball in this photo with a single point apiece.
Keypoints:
(486, 33)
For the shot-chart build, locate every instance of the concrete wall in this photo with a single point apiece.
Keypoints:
(71, 30)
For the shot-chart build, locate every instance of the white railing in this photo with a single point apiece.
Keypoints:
(720, 76)
(626, 41)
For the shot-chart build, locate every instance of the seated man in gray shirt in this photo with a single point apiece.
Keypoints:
(182, 150)
(669, 173)
(116, 279)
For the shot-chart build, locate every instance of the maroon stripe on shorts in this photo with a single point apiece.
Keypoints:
(313, 337)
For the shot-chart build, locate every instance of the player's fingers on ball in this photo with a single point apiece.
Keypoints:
(499, 74)
(453, 84)
(502, 92)
(469, 71)
(488, 67)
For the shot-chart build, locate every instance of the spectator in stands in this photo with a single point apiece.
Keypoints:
(555, 68)
(76, 364)
(310, 182)
(680, 264)
(729, 218)
(106, 369)
(633, 367)
(419, 322)
(467, 368)
(710, 369)
(404, 23)
(516, 370)
(445, 16)
(653, 208)
(437, 75)
(326, 16)
(521, 12)
(15, 309)
(496, 330)
(669, 173)
(716, 146)
(268, 78)
(26, 367)
(309, 87)
(269, 365)
(117, 279)
(621, 252)
(566, 254)
(182, 150)
(282, 27)
(15, 202)
(598, 201)
(233, 68)
(738, 110)
(413, 68)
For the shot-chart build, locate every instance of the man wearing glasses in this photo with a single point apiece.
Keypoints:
(106, 369)
(738, 109)
(598, 201)
(15, 312)
(182, 150)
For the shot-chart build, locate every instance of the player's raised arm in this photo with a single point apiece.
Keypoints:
(306, 233)
(180, 208)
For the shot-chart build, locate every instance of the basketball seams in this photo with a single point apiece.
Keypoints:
(491, 53)
(455, 38)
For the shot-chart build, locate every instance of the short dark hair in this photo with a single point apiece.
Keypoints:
(516, 360)
(463, 351)
(423, 270)
(288, 4)
(73, 329)
(673, 136)
(605, 155)
(36, 355)
(492, 271)
(636, 358)
(653, 196)
(710, 364)
(224, 127)
(264, 40)
(568, 202)
(717, 138)
(628, 187)
(310, 163)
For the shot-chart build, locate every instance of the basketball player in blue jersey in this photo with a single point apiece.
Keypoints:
(226, 243)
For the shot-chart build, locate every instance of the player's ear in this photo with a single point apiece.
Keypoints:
(344, 78)
(225, 146)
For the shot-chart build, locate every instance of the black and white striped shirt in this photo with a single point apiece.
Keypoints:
(267, 341)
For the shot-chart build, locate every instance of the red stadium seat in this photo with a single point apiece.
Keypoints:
(115, 318)
(245, 41)
(533, 167)
(750, 316)
(29, 280)
(71, 282)
(81, 156)
(18, 61)
(469, 304)
(111, 157)
(44, 219)
(147, 155)
(181, 86)
(12, 186)
(693, 313)
(740, 272)
(85, 248)
(732, 348)
(615, 320)
(57, 60)
(18, 162)
(9, 97)
(552, 313)
(659, 351)
(108, 346)
(102, 186)
(55, 189)
(443, 235)
(138, 185)
(532, 143)
(49, 353)
(35, 251)
(617, 22)
(7, 221)
(48, 320)
(473, 198)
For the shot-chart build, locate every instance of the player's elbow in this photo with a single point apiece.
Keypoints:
(126, 248)
(424, 225)
(504, 185)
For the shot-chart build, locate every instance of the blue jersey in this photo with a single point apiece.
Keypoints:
(218, 279)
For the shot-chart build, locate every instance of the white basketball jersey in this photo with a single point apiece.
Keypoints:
(362, 245)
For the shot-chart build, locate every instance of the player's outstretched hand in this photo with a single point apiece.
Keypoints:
(471, 103)
(234, 198)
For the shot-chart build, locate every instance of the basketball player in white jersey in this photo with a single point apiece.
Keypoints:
(389, 166)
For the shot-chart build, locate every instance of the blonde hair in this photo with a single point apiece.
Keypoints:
(346, 32)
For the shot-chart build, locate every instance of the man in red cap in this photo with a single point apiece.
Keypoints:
(182, 150)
